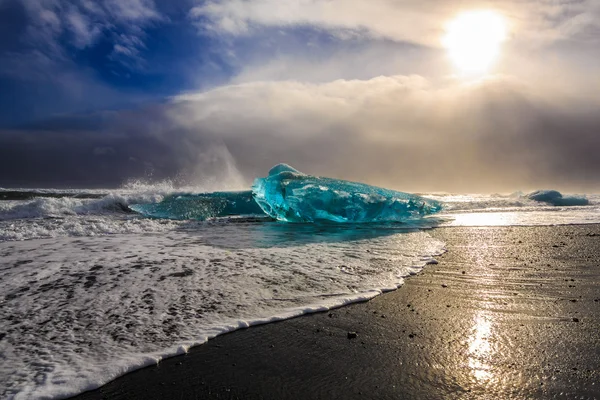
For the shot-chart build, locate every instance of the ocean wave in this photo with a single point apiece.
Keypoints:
(49, 203)
(28, 229)
(50, 207)
(512, 202)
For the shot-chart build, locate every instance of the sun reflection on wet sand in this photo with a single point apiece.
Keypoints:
(480, 348)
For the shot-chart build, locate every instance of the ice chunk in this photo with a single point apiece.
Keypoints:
(557, 199)
(289, 195)
(201, 206)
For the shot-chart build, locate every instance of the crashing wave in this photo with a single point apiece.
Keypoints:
(56, 207)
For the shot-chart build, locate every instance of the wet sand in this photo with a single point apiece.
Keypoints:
(509, 312)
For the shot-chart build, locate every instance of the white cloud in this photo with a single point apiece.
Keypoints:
(92, 8)
(376, 17)
(140, 11)
(584, 23)
(127, 50)
(84, 21)
(358, 60)
(420, 22)
(84, 31)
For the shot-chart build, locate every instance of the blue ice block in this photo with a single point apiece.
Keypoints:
(556, 198)
(289, 195)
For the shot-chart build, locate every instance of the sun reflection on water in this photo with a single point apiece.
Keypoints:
(486, 219)
(480, 348)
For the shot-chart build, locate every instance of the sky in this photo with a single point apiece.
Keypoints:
(213, 93)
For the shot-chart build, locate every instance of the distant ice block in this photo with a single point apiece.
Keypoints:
(557, 199)
(201, 206)
(289, 195)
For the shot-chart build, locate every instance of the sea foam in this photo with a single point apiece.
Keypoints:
(79, 312)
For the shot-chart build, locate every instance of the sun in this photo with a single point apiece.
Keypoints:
(474, 40)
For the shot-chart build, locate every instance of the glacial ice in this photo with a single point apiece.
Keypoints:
(290, 195)
(556, 198)
(201, 206)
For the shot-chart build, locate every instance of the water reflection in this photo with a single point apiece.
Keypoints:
(480, 348)
(487, 219)
(264, 233)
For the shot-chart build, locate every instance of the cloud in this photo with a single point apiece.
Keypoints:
(133, 10)
(419, 22)
(85, 22)
(104, 151)
(377, 17)
(127, 50)
(584, 22)
(84, 32)
(402, 132)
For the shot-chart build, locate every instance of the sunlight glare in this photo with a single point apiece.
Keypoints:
(480, 349)
(473, 40)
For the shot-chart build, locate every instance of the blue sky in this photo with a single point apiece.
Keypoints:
(363, 90)
(63, 57)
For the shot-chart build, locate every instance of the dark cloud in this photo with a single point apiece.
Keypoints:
(74, 159)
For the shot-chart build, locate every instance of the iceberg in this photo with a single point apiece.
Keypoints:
(201, 206)
(292, 196)
(556, 198)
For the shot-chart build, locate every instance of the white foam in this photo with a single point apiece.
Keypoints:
(481, 202)
(49, 217)
(80, 226)
(45, 207)
(80, 312)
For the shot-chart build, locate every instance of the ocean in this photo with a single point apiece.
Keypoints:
(90, 290)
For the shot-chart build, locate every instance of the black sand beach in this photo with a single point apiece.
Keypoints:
(509, 312)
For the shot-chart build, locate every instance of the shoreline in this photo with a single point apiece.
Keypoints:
(457, 328)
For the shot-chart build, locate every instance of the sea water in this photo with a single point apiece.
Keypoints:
(90, 290)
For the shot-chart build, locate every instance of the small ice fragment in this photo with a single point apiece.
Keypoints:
(289, 195)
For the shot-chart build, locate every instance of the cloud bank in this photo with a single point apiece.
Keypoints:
(419, 22)
(400, 132)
